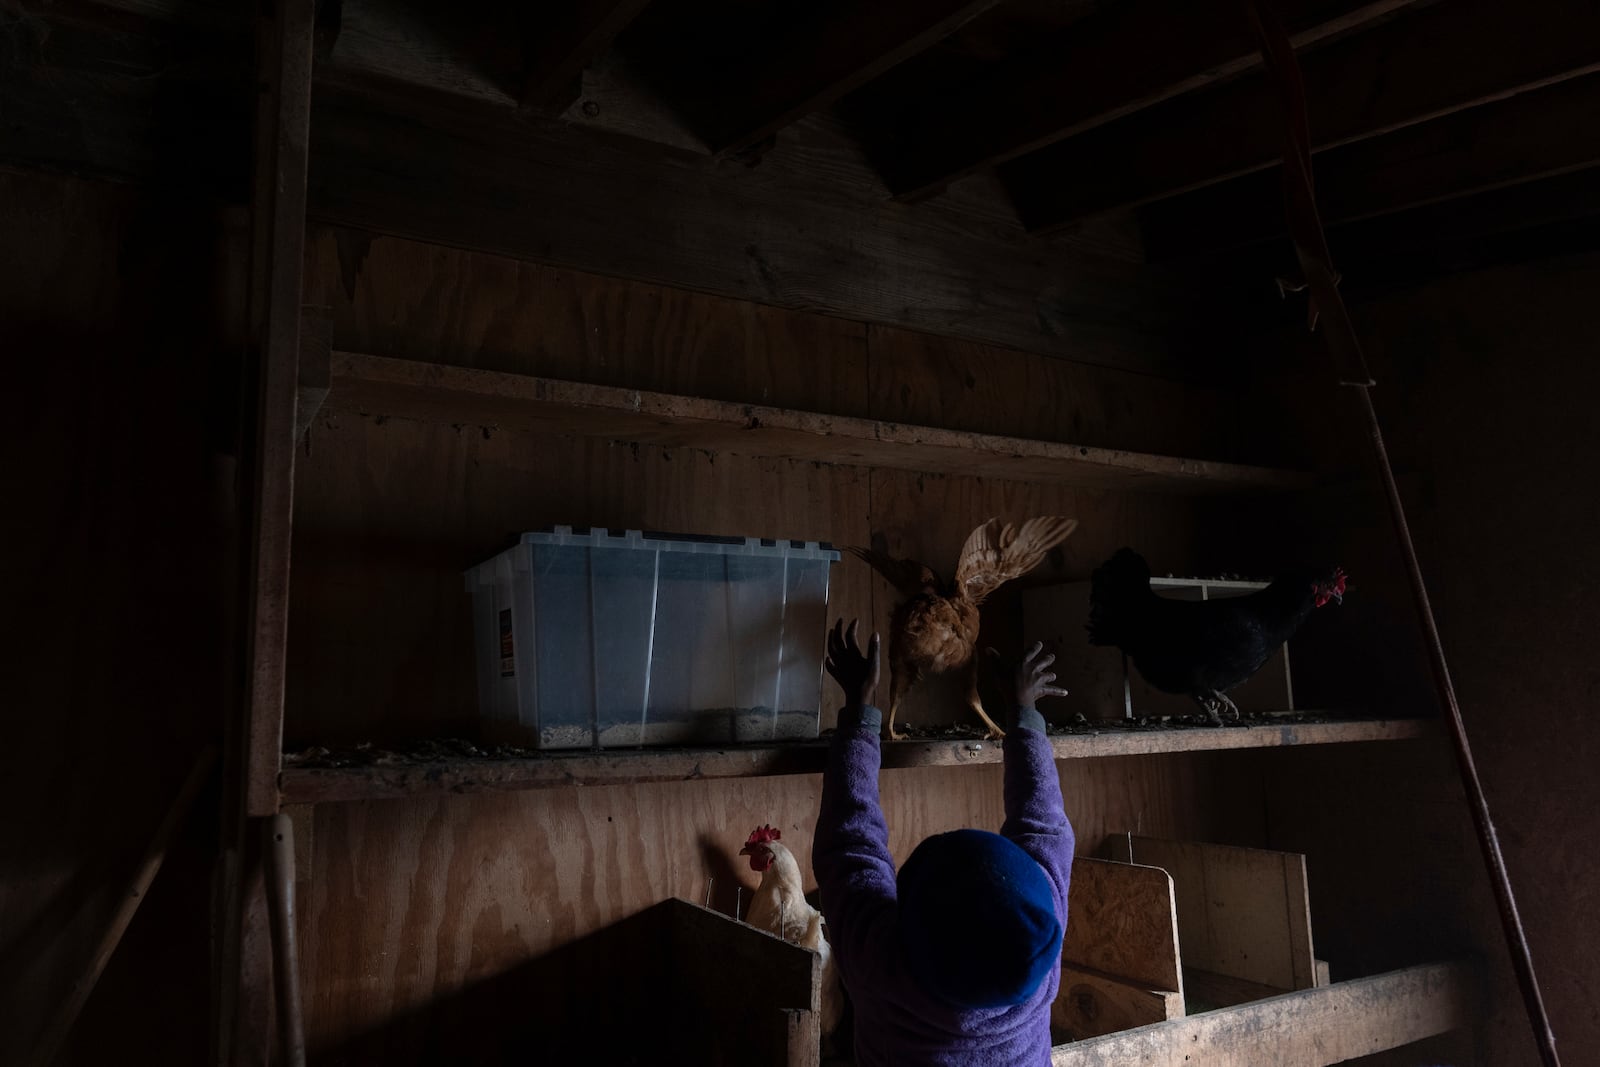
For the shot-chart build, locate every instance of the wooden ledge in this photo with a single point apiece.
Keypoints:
(378, 385)
(312, 785)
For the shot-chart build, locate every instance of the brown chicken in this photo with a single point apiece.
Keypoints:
(935, 629)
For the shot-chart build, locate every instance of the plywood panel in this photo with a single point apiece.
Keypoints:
(391, 511)
(942, 381)
(1122, 920)
(418, 899)
(1090, 1004)
(1242, 912)
(420, 301)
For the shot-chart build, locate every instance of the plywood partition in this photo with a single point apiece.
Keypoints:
(1243, 913)
(1120, 964)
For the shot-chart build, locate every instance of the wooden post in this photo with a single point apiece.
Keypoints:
(285, 45)
(55, 1034)
(279, 848)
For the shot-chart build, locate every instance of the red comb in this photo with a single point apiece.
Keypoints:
(762, 834)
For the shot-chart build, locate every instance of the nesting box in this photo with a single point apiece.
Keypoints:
(1105, 685)
(595, 638)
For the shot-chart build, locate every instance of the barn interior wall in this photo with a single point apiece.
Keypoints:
(113, 603)
(415, 908)
(1485, 387)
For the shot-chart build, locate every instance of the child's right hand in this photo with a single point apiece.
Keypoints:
(856, 674)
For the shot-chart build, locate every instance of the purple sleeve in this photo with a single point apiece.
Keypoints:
(1036, 819)
(850, 854)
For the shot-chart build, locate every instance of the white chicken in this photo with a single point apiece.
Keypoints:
(779, 907)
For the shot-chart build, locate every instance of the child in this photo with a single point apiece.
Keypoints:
(957, 961)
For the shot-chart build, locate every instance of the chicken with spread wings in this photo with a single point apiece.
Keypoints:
(935, 629)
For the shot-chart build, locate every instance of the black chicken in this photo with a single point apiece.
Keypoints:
(1201, 648)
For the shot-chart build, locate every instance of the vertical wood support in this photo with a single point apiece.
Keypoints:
(285, 36)
(279, 832)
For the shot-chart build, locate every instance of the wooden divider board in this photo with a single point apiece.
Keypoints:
(1122, 920)
(1119, 961)
(1242, 912)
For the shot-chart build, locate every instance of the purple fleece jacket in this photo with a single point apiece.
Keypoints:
(897, 1022)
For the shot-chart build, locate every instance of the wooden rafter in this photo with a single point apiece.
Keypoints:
(1430, 63)
(561, 43)
(741, 72)
(1130, 57)
(1534, 135)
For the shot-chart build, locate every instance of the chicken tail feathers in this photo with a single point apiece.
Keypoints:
(997, 552)
(1115, 590)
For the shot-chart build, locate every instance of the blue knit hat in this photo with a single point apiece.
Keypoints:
(976, 877)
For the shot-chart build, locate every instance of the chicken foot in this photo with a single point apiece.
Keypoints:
(976, 703)
(1214, 703)
(899, 684)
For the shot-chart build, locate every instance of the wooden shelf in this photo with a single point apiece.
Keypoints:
(377, 385)
(1311, 1028)
(311, 785)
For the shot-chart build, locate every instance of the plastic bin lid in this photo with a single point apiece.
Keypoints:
(567, 536)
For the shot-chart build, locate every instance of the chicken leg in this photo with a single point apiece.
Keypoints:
(900, 683)
(973, 701)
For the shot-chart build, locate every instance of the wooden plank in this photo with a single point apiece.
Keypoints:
(740, 983)
(311, 785)
(254, 734)
(1090, 1004)
(742, 72)
(1208, 991)
(1539, 134)
(471, 50)
(1432, 62)
(314, 375)
(376, 385)
(66, 1012)
(561, 43)
(278, 250)
(808, 229)
(1312, 1028)
(1242, 912)
(1122, 920)
(1069, 87)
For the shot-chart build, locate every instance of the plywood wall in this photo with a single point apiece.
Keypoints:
(1486, 386)
(408, 904)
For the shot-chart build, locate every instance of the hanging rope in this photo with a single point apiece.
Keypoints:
(1311, 249)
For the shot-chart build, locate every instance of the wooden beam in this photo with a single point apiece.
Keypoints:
(1129, 57)
(253, 733)
(314, 785)
(1430, 63)
(1091, 1003)
(561, 43)
(784, 234)
(378, 385)
(1540, 134)
(740, 72)
(1311, 1028)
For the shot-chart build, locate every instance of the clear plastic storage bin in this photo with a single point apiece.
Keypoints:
(613, 639)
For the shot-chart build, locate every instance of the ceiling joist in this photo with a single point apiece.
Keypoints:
(739, 72)
(1126, 58)
(1539, 134)
(562, 41)
(1423, 65)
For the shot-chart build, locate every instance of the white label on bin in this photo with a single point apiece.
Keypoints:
(508, 658)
